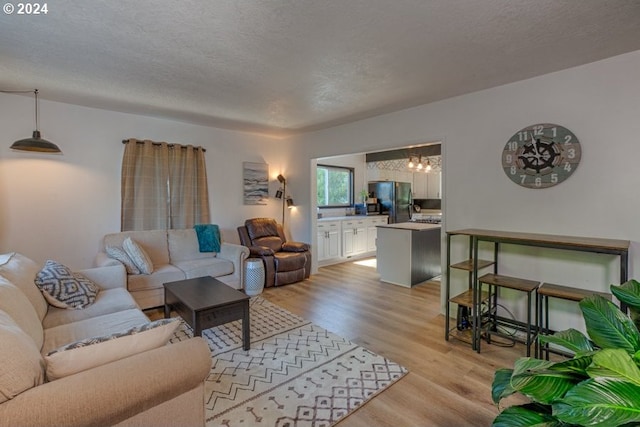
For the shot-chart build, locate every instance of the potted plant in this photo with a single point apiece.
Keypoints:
(364, 195)
(599, 385)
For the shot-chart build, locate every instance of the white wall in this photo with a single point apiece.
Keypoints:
(599, 102)
(59, 207)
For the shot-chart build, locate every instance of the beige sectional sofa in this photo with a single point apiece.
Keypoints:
(162, 386)
(175, 255)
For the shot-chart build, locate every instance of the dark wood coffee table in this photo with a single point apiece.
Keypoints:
(205, 302)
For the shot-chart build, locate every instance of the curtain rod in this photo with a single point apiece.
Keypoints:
(124, 141)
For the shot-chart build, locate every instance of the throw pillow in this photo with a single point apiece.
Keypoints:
(92, 352)
(119, 254)
(63, 288)
(138, 256)
(22, 365)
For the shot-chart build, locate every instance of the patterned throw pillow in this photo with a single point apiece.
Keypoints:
(119, 254)
(138, 256)
(63, 288)
(91, 352)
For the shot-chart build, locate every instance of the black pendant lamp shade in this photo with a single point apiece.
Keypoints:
(36, 143)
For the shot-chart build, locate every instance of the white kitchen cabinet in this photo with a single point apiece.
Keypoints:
(426, 185)
(420, 185)
(372, 231)
(434, 186)
(354, 237)
(347, 237)
(328, 238)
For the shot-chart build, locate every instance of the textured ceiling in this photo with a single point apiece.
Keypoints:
(286, 66)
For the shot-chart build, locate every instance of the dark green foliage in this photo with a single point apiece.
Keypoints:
(599, 386)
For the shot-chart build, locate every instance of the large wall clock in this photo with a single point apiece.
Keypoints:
(541, 155)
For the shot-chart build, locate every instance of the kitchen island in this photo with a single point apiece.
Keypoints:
(408, 253)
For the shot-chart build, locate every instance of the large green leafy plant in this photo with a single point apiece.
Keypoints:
(598, 386)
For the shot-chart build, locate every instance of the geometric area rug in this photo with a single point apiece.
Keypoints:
(296, 374)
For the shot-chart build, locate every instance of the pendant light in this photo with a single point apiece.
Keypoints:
(35, 143)
(428, 166)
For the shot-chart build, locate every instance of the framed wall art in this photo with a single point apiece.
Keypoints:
(256, 183)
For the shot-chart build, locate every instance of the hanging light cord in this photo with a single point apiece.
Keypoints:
(26, 91)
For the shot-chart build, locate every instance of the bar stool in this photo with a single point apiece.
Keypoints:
(549, 290)
(496, 281)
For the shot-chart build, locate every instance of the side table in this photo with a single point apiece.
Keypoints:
(253, 276)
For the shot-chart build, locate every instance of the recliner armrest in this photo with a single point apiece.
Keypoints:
(295, 247)
(260, 251)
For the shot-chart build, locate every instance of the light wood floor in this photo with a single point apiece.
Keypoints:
(448, 383)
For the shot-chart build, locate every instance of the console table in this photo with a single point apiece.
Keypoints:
(619, 248)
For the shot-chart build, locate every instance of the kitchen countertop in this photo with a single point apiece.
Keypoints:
(412, 226)
(355, 217)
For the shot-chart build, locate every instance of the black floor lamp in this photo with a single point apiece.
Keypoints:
(282, 195)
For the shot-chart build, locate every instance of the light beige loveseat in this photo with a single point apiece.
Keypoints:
(175, 255)
(158, 387)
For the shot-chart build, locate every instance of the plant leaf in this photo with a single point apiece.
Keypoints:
(600, 401)
(501, 386)
(607, 326)
(535, 379)
(629, 294)
(529, 415)
(614, 363)
(578, 365)
(571, 339)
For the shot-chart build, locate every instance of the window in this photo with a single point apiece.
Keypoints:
(335, 186)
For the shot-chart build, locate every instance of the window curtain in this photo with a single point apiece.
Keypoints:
(163, 186)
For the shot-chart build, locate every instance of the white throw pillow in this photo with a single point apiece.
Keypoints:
(22, 365)
(63, 288)
(138, 256)
(120, 254)
(91, 352)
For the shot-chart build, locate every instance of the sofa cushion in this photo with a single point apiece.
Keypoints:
(154, 243)
(183, 246)
(162, 274)
(116, 252)
(138, 255)
(214, 267)
(63, 288)
(22, 365)
(94, 327)
(96, 351)
(107, 301)
(16, 305)
(21, 271)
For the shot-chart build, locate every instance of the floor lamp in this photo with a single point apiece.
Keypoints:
(282, 195)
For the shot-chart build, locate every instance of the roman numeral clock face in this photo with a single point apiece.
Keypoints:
(541, 156)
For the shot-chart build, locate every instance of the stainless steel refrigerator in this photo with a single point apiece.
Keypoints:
(394, 199)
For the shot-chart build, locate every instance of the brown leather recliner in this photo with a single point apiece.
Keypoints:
(284, 262)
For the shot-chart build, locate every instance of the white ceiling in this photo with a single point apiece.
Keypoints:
(286, 66)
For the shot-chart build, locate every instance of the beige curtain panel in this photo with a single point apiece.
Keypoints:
(163, 186)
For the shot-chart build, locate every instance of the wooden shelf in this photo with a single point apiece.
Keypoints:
(467, 265)
(465, 299)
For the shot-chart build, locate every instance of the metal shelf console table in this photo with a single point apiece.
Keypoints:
(616, 247)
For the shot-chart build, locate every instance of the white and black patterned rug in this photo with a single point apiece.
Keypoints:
(295, 374)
